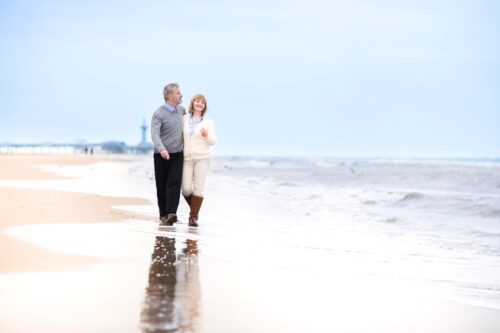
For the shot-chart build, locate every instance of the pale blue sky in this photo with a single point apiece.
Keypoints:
(335, 78)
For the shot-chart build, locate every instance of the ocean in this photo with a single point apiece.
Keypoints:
(434, 223)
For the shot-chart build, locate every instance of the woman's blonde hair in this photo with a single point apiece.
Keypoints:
(195, 97)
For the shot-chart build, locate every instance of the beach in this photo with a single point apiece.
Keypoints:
(283, 246)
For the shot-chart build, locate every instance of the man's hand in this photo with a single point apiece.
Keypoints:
(164, 153)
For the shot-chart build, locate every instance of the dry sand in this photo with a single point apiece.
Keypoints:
(29, 206)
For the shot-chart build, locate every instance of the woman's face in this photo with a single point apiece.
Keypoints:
(198, 105)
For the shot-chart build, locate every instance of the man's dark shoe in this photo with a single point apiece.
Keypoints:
(163, 222)
(169, 220)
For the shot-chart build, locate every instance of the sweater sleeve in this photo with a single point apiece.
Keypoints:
(211, 134)
(155, 133)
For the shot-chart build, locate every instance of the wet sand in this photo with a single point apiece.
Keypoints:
(32, 206)
(244, 270)
(28, 166)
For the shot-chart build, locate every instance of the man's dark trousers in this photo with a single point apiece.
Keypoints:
(168, 177)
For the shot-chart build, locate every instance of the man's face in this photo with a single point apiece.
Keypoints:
(175, 97)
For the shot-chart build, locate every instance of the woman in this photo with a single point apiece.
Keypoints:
(199, 135)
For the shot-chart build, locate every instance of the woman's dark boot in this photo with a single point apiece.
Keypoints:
(195, 209)
(188, 199)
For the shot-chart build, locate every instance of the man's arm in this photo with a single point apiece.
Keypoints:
(155, 132)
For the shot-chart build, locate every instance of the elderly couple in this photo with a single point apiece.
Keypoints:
(181, 153)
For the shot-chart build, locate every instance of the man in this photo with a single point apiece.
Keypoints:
(166, 134)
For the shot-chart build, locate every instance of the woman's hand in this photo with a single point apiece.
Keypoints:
(204, 132)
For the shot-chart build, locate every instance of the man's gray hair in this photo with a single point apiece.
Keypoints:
(169, 88)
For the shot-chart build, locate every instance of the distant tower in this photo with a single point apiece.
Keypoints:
(144, 128)
(144, 147)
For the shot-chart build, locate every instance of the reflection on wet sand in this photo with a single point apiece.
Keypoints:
(173, 292)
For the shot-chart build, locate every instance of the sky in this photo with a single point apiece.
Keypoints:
(380, 78)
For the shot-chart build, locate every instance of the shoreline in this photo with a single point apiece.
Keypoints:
(250, 256)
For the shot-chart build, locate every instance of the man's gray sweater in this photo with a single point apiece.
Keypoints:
(166, 129)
